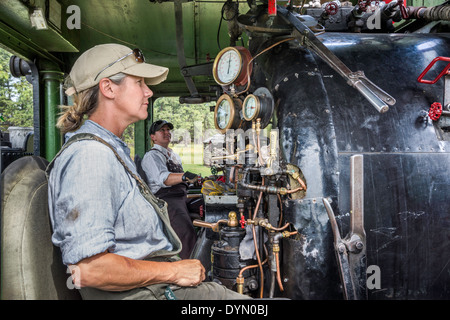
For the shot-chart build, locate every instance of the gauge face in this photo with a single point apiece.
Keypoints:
(226, 113)
(251, 107)
(258, 105)
(228, 66)
(232, 66)
(223, 114)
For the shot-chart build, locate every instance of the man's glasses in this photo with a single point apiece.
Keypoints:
(138, 56)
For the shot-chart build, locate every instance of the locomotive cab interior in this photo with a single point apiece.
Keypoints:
(330, 159)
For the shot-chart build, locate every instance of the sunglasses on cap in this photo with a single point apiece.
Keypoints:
(138, 56)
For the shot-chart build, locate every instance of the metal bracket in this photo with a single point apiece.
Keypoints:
(180, 47)
(447, 92)
(375, 95)
(351, 250)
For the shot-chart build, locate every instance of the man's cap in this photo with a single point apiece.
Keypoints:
(157, 125)
(93, 61)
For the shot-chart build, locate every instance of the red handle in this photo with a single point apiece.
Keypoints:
(242, 222)
(272, 8)
(435, 111)
(443, 72)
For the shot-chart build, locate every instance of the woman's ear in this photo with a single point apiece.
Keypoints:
(106, 87)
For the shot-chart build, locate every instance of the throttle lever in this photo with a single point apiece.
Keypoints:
(375, 95)
(351, 250)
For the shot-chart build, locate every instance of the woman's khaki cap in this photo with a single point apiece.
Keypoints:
(91, 62)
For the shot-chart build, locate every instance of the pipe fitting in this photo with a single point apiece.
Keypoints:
(240, 284)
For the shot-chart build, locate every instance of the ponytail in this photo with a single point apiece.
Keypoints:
(84, 104)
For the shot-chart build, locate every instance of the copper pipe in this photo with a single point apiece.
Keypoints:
(240, 277)
(249, 267)
(251, 60)
(302, 183)
(303, 186)
(278, 271)
(261, 290)
(276, 250)
(280, 229)
(271, 189)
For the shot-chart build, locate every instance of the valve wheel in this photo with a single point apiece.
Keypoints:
(331, 8)
(363, 5)
(435, 111)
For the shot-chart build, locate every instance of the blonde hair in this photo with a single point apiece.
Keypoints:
(84, 104)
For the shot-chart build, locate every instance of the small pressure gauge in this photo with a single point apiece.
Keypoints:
(226, 113)
(258, 105)
(251, 107)
(230, 66)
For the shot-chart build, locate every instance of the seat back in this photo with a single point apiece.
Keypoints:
(138, 163)
(31, 266)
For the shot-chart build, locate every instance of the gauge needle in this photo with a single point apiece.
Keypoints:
(229, 63)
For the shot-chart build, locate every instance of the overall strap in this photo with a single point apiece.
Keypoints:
(172, 166)
(90, 136)
(159, 205)
(165, 156)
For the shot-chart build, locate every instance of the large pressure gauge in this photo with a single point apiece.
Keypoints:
(230, 66)
(258, 105)
(226, 113)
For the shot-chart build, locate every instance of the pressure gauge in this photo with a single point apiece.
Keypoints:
(250, 107)
(226, 113)
(258, 105)
(230, 66)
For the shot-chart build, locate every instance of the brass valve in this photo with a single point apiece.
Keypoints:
(232, 221)
(262, 222)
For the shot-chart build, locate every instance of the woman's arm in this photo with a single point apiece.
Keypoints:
(112, 272)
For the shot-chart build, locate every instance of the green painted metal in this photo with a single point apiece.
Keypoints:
(141, 138)
(14, 15)
(424, 3)
(151, 27)
(51, 82)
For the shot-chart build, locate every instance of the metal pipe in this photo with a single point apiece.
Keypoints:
(277, 260)
(272, 189)
(52, 81)
(214, 226)
(261, 289)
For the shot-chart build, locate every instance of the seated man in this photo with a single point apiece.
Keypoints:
(168, 181)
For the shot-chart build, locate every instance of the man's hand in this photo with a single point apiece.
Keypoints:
(189, 177)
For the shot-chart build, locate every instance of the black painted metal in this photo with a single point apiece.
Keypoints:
(323, 121)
